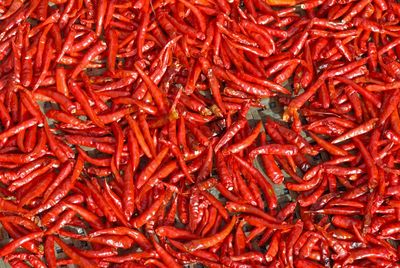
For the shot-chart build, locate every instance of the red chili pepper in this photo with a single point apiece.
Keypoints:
(215, 88)
(265, 186)
(152, 210)
(155, 91)
(80, 134)
(9, 248)
(213, 240)
(230, 133)
(15, 5)
(63, 188)
(76, 257)
(237, 147)
(274, 149)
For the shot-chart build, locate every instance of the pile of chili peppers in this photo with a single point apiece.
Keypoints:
(123, 128)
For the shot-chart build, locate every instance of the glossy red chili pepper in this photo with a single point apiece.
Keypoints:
(102, 147)
(230, 133)
(213, 240)
(9, 248)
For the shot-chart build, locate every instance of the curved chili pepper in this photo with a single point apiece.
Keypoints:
(15, 5)
(372, 169)
(366, 127)
(274, 149)
(151, 168)
(265, 186)
(97, 49)
(230, 133)
(237, 147)
(332, 149)
(154, 90)
(358, 254)
(9, 248)
(174, 233)
(207, 64)
(215, 89)
(83, 100)
(23, 181)
(212, 240)
(73, 254)
(164, 255)
(152, 210)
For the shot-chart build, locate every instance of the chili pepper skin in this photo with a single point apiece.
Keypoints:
(73, 254)
(23, 222)
(137, 236)
(49, 252)
(213, 240)
(372, 169)
(164, 255)
(145, 175)
(176, 152)
(274, 149)
(368, 126)
(14, 130)
(224, 175)
(135, 128)
(363, 253)
(235, 148)
(111, 240)
(18, 242)
(235, 207)
(206, 67)
(230, 133)
(306, 263)
(139, 136)
(216, 204)
(151, 211)
(97, 49)
(265, 186)
(37, 190)
(174, 233)
(155, 91)
(83, 100)
(64, 188)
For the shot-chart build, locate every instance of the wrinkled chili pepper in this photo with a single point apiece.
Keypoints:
(126, 125)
